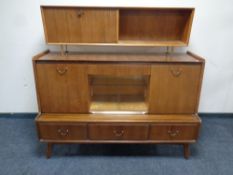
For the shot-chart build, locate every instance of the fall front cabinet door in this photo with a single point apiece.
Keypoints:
(80, 25)
(174, 88)
(63, 88)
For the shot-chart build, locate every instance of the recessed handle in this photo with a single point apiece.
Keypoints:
(80, 13)
(176, 72)
(173, 133)
(62, 71)
(63, 132)
(118, 133)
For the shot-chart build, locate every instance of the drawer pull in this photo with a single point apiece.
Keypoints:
(173, 133)
(62, 71)
(176, 72)
(80, 13)
(118, 133)
(63, 132)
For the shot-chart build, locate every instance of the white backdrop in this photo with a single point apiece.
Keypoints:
(21, 37)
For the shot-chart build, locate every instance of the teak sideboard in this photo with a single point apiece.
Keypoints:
(118, 97)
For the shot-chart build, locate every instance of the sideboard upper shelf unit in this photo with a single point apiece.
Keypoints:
(117, 26)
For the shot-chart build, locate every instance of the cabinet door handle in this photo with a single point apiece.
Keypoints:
(63, 132)
(173, 133)
(176, 72)
(118, 133)
(62, 71)
(80, 13)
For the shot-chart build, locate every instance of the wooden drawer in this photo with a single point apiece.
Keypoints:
(118, 131)
(174, 132)
(55, 131)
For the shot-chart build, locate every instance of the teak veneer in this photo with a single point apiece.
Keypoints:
(117, 26)
(118, 97)
(63, 86)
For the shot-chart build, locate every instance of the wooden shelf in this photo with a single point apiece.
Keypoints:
(125, 42)
(128, 43)
(118, 108)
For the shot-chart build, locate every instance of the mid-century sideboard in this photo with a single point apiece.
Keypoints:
(118, 97)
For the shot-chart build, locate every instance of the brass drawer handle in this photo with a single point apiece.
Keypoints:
(62, 71)
(63, 132)
(118, 133)
(80, 13)
(173, 133)
(176, 72)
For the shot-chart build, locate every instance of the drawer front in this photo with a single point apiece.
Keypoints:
(174, 132)
(118, 131)
(53, 131)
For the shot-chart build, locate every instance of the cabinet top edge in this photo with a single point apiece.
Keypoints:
(182, 118)
(120, 57)
(195, 56)
(118, 7)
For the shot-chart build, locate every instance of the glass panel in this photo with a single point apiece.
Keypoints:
(111, 94)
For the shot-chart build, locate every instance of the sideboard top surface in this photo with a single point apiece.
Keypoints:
(119, 57)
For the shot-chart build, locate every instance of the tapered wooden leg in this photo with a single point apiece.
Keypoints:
(186, 151)
(49, 150)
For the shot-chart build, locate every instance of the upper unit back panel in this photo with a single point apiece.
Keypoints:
(117, 26)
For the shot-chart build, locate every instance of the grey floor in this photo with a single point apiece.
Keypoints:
(22, 154)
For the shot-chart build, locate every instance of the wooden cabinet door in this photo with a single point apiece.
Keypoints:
(174, 88)
(92, 25)
(62, 88)
(55, 25)
(80, 25)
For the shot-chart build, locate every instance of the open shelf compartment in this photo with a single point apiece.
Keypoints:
(162, 26)
(118, 95)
